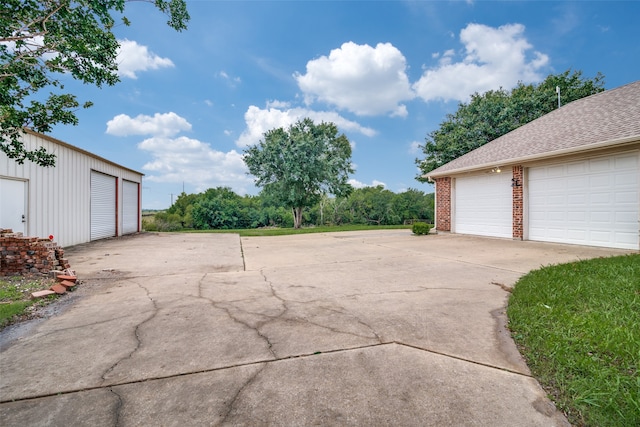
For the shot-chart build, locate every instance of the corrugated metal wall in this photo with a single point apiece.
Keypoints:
(59, 198)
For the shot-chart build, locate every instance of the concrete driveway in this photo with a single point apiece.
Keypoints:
(360, 328)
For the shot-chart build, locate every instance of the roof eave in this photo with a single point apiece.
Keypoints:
(539, 156)
(79, 150)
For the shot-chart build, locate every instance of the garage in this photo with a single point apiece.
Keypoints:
(103, 205)
(83, 198)
(587, 202)
(130, 207)
(574, 177)
(483, 205)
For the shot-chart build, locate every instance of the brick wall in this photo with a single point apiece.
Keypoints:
(27, 255)
(518, 202)
(443, 204)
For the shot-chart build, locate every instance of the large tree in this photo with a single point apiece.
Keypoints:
(298, 165)
(494, 113)
(41, 40)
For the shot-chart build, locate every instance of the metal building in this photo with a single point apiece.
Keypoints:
(83, 198)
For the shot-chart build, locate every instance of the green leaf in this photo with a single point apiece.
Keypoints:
(494, 113)
(299, 165)
(74, 38)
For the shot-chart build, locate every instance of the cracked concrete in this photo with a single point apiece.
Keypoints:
(361, 328)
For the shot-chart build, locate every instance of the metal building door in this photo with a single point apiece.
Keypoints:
(13, 205)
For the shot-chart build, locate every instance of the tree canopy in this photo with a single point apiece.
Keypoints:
(494, 113)
(298, 165)
(41, 40)
(221, 208)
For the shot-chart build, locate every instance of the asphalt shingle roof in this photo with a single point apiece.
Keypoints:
(606, 118)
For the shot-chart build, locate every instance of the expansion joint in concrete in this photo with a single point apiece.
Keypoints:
(265, 362)
(244, 262)
(464, 359)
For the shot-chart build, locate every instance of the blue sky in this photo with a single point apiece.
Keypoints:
(386, 72)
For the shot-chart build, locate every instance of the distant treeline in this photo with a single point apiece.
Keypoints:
(221, 208)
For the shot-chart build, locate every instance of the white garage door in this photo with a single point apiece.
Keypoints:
(103, 205)
(130, 209)
(590, 202)
(483, 205)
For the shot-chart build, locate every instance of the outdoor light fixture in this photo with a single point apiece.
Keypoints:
(496, 170)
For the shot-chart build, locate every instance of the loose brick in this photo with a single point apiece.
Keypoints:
(58, 288)
(68, 284)
(67, 277)
(22, 255)
(41, 294)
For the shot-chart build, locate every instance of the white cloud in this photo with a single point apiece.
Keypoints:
(359, 78)
(133, 57)
(494, 58)
(167, 124)
(32, 45)
(260, 121)
(232, 81)
(357, 184)
(182, 159)
(278, 104)
(414, 148)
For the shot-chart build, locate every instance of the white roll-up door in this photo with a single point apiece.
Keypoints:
(103, 205)
(484, 205)
(591, 202)
(130, 209)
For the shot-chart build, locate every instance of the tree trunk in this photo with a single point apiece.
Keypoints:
(297, 217)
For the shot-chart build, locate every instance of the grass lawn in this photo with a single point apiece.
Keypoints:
(578, 327)
(304, 230)
(15, 298)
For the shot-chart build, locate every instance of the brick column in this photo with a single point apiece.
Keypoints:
(518, 202)
(443, 204)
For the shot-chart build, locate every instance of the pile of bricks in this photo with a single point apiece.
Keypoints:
(65, 280)
(28, 255)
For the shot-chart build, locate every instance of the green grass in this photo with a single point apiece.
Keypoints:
(15, 298)
(578, 327)
(250, 232)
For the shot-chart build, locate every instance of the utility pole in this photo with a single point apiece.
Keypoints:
(558, 92)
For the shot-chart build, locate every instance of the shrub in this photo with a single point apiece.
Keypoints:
(420, 228)
(164, 221)
(149, 225)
